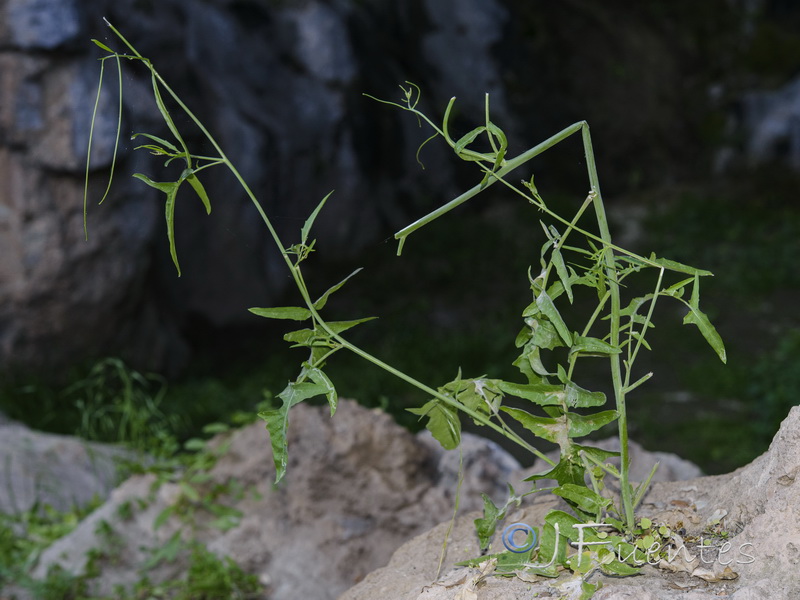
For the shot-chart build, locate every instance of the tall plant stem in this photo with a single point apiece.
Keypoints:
(610, 270)
(298, 279)
(616, 371)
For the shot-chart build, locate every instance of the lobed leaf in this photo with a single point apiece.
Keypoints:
(443, 422)
(581, 425)
(170, 188)
(566, 471)
(592, 346)
(697, 317)
(542, 394)
(278, 419)
(578, 397)
(583, 498)
(550, 429)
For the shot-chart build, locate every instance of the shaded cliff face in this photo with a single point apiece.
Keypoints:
(280, 85)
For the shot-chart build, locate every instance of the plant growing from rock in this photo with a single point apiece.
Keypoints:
(576, 254)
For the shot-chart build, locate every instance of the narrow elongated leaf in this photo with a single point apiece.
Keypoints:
(581, 425)
(278, 420)
(320, 378)
(545, 304)
(323, 300)
(697, 317)
(162, 108)
(200, 190)
(486, 526)
(305, 337)
(672, 265)
(294, 313)
(443, 423)
(304, 232)
(170, 188)
(467, 139)
(564, 472)
(103, 46)
(598, 454)
(644, 486)
(563, 274)
(158, 140)
(539, 393)
(676, 290)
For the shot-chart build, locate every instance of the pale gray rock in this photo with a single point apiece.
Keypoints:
(357, 487)
(56, 470)
(40, 24)
(757, 505)
(771, 122)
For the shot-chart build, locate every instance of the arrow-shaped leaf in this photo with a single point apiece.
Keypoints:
(278, 420)
(443, 423)
(320, 303)
(581, 425)
(552, 430)
(542, 394)
(170, 188)
(697, 317)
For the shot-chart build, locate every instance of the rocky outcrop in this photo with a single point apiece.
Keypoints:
(280, 85)
(43, 469)
(357, 487)
(756, 505)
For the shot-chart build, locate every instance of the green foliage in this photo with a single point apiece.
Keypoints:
(117, 404)
(573, 261)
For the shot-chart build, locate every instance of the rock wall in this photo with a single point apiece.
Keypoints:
(280, 84)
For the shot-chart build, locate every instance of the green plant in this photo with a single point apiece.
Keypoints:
(23, 537)
(117, 404)
(577, 260)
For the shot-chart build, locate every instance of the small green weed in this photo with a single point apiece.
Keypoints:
(117, 404)
(576, 260)
(25, 535)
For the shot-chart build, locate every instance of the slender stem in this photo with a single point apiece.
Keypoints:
(297, 276)
(509, 166)
(616, 374)
(645, 325)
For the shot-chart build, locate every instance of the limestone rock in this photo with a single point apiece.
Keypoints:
(757, 506)
(357, 487)
(56, 470)
(280, 85)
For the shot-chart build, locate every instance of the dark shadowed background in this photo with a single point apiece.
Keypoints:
(695, 116)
